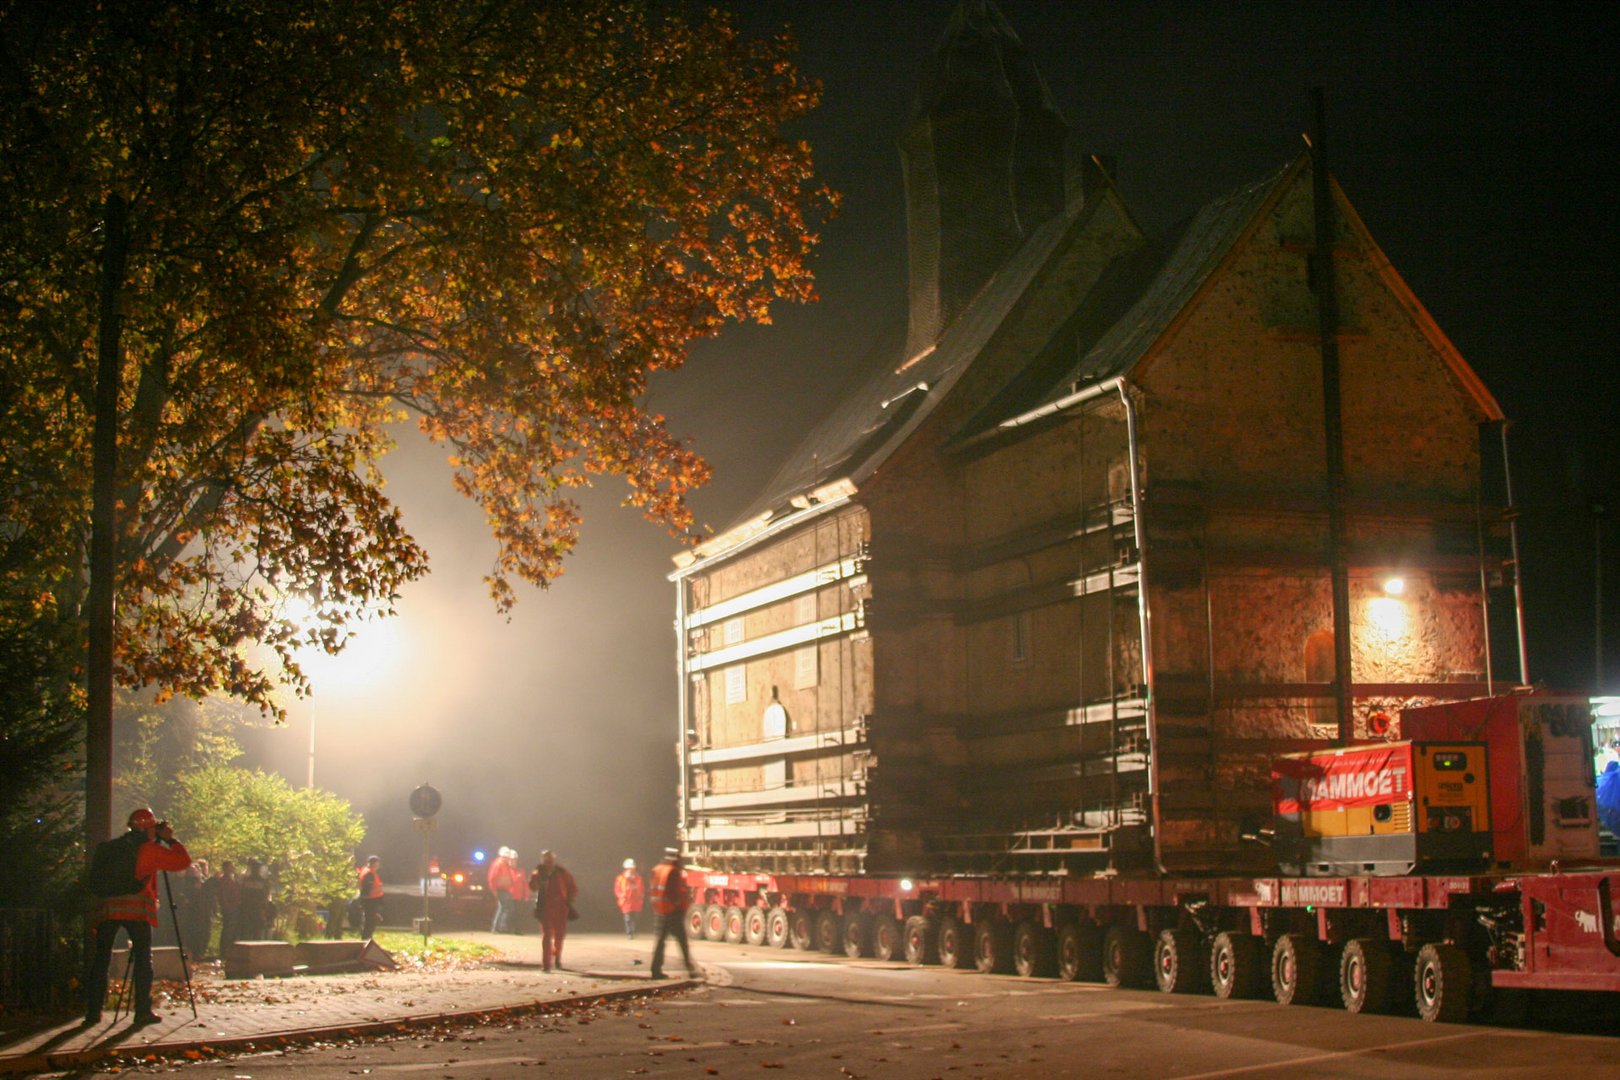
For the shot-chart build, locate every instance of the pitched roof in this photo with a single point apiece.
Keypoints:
(897, 393)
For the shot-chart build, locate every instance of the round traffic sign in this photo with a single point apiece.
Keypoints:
(425, 801)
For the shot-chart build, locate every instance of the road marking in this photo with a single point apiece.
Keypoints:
(1315, 1059)
(430, 1066)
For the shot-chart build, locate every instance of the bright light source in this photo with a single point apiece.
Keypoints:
(459, 878)
(1606, 706)
(478, 856)
(1394, 586)
(1388, 618)
(905, 884)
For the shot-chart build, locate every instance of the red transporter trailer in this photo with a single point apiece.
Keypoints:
(1377, 942)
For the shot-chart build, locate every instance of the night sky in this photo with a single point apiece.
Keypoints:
(1477, 142)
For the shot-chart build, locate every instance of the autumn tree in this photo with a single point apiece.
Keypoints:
(263, 230)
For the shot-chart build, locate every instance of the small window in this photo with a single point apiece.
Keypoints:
(805, 674)
(1319, 657)
(804, 609)
(733, 631)
(1018, 639)
(736, 685)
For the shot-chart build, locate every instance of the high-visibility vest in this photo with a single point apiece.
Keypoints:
(668, 889)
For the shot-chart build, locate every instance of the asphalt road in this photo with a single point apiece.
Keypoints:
(766, 1012)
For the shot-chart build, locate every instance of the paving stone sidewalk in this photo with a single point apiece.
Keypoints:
(233, 1014)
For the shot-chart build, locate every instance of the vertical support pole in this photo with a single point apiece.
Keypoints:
(1327, 314)
(103, 526)
(683, 710)
(1518, 576)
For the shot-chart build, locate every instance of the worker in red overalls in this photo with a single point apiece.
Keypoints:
(628, 894)
(371, 897)
(554, 891)
(147, 848)
(669, 902)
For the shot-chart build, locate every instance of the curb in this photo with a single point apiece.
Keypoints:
(58, 1060)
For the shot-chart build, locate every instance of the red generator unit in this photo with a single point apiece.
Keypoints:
(1543, 790)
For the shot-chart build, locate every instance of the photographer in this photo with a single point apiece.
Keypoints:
(123, 880)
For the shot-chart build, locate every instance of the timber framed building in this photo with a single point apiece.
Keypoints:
(1050, 590)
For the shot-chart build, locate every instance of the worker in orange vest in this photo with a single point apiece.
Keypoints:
(628, 892)
(669, 902)
(371, 897)
(123, 879)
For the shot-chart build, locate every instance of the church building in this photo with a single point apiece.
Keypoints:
(1122, 519)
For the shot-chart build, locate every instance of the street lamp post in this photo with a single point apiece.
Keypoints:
(310, 781)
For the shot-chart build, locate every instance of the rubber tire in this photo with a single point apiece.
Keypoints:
(857, 935)
(888, 938)
(1127, 958)
(1079, 952)
(954, 943)
(754, 925)
(714, 923)
(992, 948)
(735, 917)
(1180, 962)
(695, 917)
(922, 943)
(1237, 967)
(829, 933)
(1297, 971)
(778, 932)
(1367, 976)
(1034, 952)
(1443, 979)
(802, 930)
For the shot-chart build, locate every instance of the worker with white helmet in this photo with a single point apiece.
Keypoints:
(630, 894)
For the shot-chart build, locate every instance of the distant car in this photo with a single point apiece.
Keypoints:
(467, 899)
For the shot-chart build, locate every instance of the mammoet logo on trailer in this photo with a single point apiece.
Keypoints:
(1361, 777)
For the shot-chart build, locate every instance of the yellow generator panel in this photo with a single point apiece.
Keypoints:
(1383, 808)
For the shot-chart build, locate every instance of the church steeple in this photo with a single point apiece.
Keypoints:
(984, 165)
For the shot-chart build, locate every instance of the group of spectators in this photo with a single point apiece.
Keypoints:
(240, 899)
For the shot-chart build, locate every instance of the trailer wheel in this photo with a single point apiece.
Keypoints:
(955, 943)
(734, 926)
(802, 930)
(888, 939)
(1034, 956)
(922, 942)
(696, 916)
(1443, 982)
(777, 928)
(714, 923)
(829, 933)
(857, 935)
(754, 926)
(1296, 970)
(1236, 968)
(992, 948)
(1367, 976)
(1127, 958)
(1079, 952)
(1180, 961)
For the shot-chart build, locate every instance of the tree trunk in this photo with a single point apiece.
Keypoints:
(103, 526)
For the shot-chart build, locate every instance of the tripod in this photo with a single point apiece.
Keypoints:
(185, 966)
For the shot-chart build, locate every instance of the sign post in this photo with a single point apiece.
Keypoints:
(425, 804)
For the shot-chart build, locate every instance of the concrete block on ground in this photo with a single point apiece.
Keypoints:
(250, 959)
(335, 956)
(165, 963)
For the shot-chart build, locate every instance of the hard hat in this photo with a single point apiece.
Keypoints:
(672, 853)
(507, 853)
(629, 864)
(371, 859)
(142, 818)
